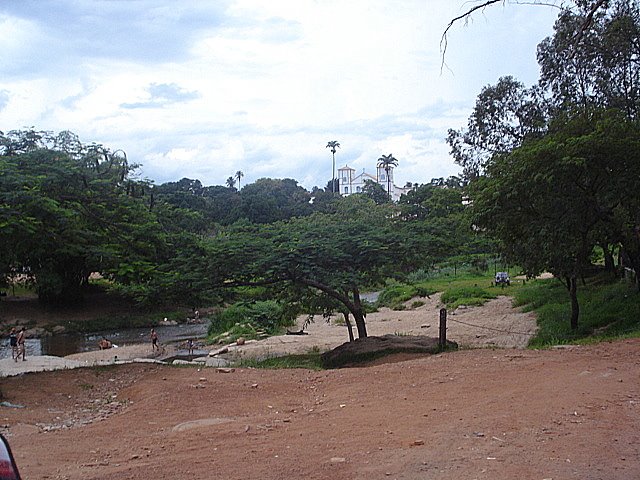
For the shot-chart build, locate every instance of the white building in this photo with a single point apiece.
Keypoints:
(350, 182)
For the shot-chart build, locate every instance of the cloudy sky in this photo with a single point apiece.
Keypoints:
(204, 88)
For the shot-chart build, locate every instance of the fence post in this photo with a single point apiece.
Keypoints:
(442, 338)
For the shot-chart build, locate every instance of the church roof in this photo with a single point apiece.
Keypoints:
(347, 167)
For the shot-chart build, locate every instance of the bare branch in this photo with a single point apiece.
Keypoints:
(465, 16)
(487, 3)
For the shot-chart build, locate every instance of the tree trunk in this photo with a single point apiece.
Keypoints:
(354, 306)
(572, 285)
(609, 263)
(349, 326)
(358, 314)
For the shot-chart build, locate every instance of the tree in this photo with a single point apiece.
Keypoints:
(375, 192)
(505, 114)
(598, 70)
(268, 200)
(551, 200)
(334, 254)
(69, 214)
(231, 182)
(333, 145)
(388, 162)
(238, 177)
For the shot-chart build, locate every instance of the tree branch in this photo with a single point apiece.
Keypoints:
(487, 3)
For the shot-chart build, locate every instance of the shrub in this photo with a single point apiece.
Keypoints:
(455, 296)
(248, 319)
(395, 295)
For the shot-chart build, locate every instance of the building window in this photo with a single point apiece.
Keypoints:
(358, 189)
(346, 189)
(344, 179)
(382, 177)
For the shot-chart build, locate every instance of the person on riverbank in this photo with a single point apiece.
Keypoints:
(190, 346)
(13, 341)
(104, 344)
(22, 350)
(154, 340)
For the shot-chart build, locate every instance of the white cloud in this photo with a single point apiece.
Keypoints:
(203, 89)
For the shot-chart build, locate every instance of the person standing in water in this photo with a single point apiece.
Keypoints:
(22, 336)
(13, 341)
(154, 340)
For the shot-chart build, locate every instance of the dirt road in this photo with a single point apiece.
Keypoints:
(489, 413)
(486, 414)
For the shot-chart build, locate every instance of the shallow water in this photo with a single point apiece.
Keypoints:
(68, 343)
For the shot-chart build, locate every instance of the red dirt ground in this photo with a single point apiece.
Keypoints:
(571, 413)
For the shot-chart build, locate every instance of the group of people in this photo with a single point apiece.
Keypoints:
(18, 349)
(17, 342)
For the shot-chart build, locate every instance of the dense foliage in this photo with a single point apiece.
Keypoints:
(554, 169)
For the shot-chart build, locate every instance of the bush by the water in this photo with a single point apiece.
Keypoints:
(250, 320)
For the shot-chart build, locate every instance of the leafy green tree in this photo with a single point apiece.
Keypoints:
(269, 200)
(68, 215)
(550, 200)
(231, 182)
(334, 254)
(505, 114)
(596, 67)
(375, 192)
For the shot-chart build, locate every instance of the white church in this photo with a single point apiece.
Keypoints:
(350, 182)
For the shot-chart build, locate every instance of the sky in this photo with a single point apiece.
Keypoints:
(205, 88)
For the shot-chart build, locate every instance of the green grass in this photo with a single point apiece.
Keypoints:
(463, 286)
(455, 296)
(607, 311)
(309, 361)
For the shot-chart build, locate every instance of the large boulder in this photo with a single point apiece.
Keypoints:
(370, 348)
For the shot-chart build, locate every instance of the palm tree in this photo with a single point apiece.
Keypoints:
(239, 175)
(333, 145)
(231, 182)
(388, 162)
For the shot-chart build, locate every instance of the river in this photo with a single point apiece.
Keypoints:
(68, 343)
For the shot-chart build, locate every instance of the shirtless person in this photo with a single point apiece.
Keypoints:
(154, 340)
(104, 344)
(13, 341)
(21, 346)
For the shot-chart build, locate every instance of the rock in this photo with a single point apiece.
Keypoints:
(425, 325)
(182, 362)
(338, 460)
(58, 329)
(417, 443)
(213, 353)
(240, 341)
(226, 370)
(217, 362)
(369, 348)
(37, 332)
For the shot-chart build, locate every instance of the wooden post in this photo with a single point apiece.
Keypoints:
(442, 338)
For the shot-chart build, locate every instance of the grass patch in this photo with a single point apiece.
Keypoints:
(395, 295)
(455, 296)
(308, 361)
(607, 311)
